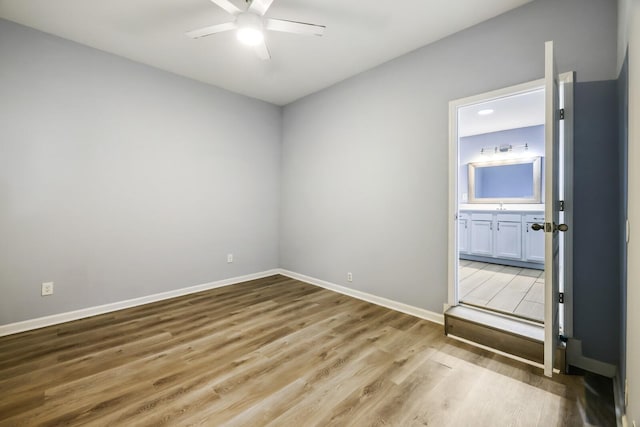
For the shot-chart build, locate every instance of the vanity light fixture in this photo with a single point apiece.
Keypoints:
(504, 148)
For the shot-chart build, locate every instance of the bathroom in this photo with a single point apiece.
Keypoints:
(500, 204)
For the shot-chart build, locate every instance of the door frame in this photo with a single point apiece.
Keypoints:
(566, 96)
(566, 81)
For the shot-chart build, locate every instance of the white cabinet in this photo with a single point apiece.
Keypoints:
(481, 236)
(533, 240)
(533, 244)
(508, 235)
(509, 239)
(463, 233)
(501, 235)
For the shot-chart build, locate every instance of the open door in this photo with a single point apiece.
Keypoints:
(554, 101)
(552, 212)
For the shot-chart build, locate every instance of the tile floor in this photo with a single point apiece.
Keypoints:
(503, 288)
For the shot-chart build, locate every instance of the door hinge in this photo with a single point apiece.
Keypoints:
(561, 297)
(562, 114)
(561, 206)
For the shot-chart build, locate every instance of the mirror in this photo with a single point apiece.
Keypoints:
(505, 181)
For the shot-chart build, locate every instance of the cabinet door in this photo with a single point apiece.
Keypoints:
(482, 237)
(533, 244)
(509, 240)
(463, 235)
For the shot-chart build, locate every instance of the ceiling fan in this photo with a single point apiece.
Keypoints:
(251, 23)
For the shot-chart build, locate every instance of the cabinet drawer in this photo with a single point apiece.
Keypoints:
(537, 217)
(509, 217)
(482, 216)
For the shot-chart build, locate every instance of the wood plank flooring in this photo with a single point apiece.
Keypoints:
(511, 290)
(270, 352)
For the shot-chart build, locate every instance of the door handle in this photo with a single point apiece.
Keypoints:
(556, 227)
(537, 227)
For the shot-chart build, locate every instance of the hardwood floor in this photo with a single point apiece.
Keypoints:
(275, 352)
(511, 290)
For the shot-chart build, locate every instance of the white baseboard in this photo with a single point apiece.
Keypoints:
(55, 319)
(41, 322)
(374, 299)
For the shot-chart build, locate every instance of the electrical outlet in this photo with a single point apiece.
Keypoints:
(349, 277)
(47, 288)
(229, 258)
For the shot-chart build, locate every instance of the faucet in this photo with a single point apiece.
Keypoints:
(501, 208)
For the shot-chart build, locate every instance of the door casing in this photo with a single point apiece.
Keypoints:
(566, 81)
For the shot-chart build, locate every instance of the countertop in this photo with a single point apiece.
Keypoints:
(506, 208)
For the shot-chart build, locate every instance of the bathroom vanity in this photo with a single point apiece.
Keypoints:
(501, 236)
(502, 201)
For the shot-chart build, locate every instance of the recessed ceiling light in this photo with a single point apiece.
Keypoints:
(485, 112)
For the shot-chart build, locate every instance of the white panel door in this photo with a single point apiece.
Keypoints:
(551, 211)
(482, 237)
(509, 240)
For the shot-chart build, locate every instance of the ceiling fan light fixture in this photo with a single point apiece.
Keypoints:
(251, 24)
(250, 36)
(249, 29)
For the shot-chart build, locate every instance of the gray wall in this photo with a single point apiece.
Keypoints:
(596, 222)
(365, 162)
(118, 180)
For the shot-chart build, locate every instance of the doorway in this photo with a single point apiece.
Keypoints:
(501, 145)
(497, 195)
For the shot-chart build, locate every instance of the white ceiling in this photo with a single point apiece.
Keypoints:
(512, 112)
(360, 35)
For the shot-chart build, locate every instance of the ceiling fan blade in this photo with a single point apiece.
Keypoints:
(228, 6)
(293, 27)
(212, 29)
(263, 51)
(260, 6)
